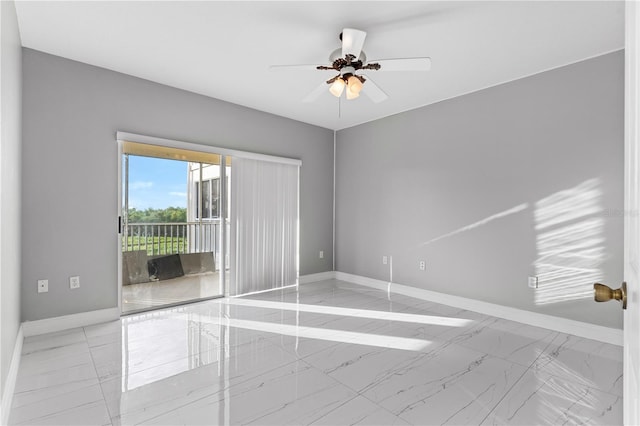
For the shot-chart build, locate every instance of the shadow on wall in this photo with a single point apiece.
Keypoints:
(570, 243)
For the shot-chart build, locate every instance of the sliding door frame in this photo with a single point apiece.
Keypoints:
(122, 137)
(224, 202)
(170, 143)
(120, 230)
(123, 198)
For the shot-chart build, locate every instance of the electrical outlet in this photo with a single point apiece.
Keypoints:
(321, 254)
(385, 260)
(43, 286)
(423, 265)
(74, 282)
(533, 282)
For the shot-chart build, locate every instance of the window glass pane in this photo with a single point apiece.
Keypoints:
(215, 197)
(206, 199)
(197, 192)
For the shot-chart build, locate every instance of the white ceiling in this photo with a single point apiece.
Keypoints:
(224, 49)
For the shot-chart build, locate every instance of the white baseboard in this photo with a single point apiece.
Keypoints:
(312, 278)
(582, 329)
(67, 322)
(12, 375)
(613, 336)
(262, 291)
(302, 279)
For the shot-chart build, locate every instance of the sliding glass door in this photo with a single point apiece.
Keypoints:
(181, 237)
(175, 227)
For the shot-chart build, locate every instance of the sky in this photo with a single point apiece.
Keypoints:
(157, 183)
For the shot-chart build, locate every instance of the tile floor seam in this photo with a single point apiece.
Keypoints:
(103, 379)
(359, 393)
(442, 345)
(20, 393)
(586, 386)
(519, 379)
(325, 415)
(95, 368)
(54, 396)
(51, 386)
(576, 382)
(521, 405)
(219, 391)
(29, 422)
(503, 357)
(254, 420)
(382, 408)
(484, 357)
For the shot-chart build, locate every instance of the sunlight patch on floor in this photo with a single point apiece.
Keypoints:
(333, 335)
(349, 312)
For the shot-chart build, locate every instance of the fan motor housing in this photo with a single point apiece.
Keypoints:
(347, 71)
(337, 54)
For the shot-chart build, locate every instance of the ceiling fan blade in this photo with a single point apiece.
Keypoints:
(352, 42)
(315, 93)
(405, 64)
(375, 93)
(300, 67)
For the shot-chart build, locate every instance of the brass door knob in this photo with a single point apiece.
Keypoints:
(603, 293)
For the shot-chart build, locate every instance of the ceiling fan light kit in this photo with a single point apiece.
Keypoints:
(349, 60)
(337, 87)
(352, 94)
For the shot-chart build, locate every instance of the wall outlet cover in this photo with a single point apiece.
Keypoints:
(74, 282)
(423, 265)
(321, 254)
(385, 260)
(43, 286)
(533, 282)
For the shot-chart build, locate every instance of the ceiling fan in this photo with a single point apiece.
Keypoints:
(349, 61)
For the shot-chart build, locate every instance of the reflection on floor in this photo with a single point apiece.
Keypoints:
(330, 353)
(189, 287)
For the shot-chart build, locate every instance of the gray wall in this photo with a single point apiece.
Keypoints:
(480, 164)
(71, 114)
(10, 151)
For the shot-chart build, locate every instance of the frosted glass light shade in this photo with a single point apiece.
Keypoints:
(354, 84)
(337, 87)
(351, 94)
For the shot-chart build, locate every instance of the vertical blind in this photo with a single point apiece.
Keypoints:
(264, 226)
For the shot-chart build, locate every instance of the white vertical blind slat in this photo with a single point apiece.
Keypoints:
(264, 226)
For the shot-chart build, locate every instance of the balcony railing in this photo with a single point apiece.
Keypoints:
(172, 238)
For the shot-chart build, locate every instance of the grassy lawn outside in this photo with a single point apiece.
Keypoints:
(156, 245)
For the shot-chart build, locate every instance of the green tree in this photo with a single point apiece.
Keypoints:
(170, 214)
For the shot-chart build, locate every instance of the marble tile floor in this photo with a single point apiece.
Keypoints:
(327, 353)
